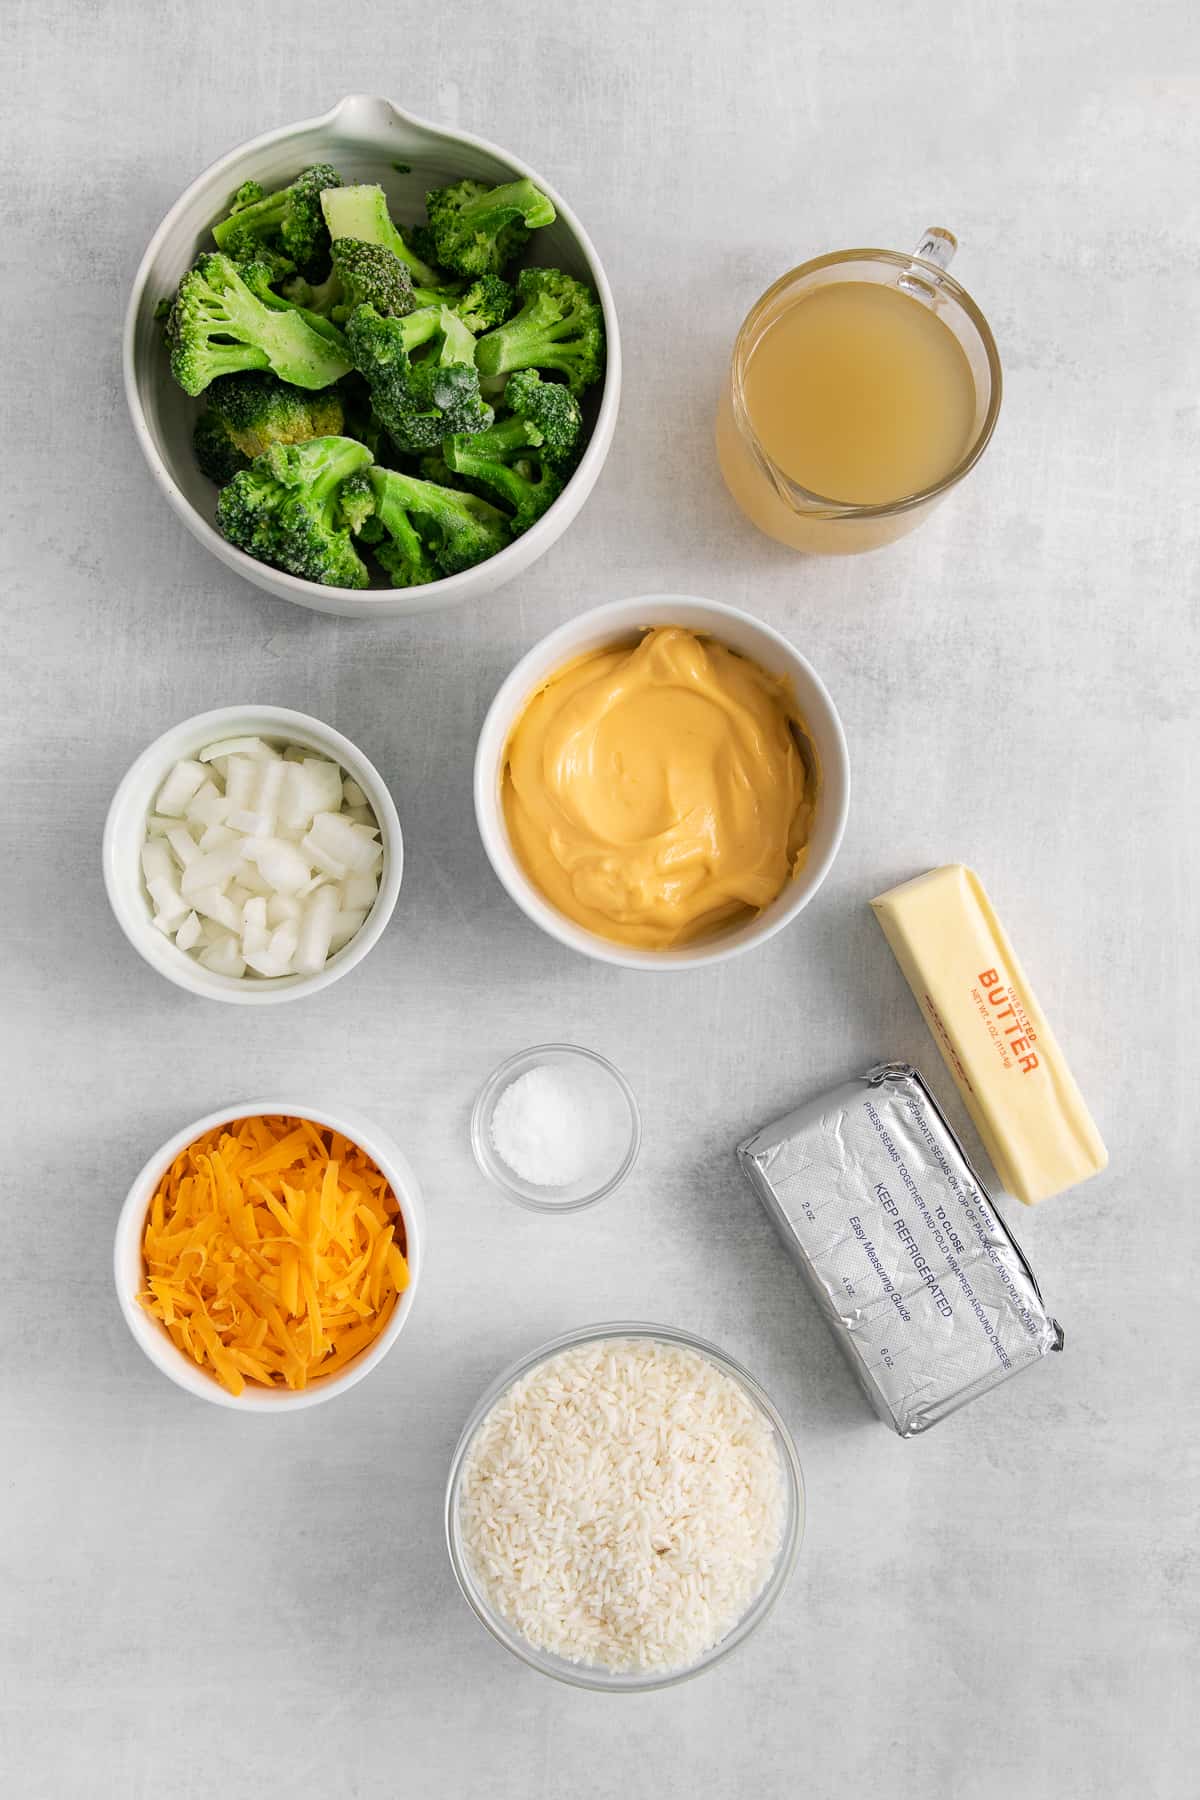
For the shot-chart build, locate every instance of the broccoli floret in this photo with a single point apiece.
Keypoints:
(421, 373)
(487, 302)
(291, 217)
(248, 194)
(361, 275)
(259, 279)
(549, 414)
(247, 413)
(371, 275)
(318, 297)
(220, 325)
(284, 509)
(362, 213)
(401, 555)
(271, 263)
(356, 501)
(476, 230)
(523, 458)
(559, 326)
(216, 453)
(432, 528)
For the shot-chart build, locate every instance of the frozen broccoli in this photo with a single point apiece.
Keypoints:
(432, 530)
(227, 320)
(558, 326)
(362, 213)
(421, 373)
(291, 218)
(476, 230)
(356, 501)
(524, 457)
(285, 510)
(487, 302)
(361, 275)
(246, 414)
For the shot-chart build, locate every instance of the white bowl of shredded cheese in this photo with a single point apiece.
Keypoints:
(130, 1274)
(624, 1507)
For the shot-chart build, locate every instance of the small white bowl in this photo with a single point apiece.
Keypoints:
(364, 138)
(125, 833)
(608, 624)
(128, 1266)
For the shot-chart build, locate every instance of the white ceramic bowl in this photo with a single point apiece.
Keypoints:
(588, 1675)
(125, 833)
(607, 625)
(128, 1268)
(363, 138)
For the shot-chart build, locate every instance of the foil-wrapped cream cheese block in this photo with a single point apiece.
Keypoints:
(923, 1285)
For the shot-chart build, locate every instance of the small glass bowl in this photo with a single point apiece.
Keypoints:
(525, 1193)
(590, 1675)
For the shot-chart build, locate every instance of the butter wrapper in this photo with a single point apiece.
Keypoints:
(925, 1288)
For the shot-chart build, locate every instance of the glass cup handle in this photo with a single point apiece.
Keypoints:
(937, 246)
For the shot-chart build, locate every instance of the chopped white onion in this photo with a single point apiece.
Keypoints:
(243, 746)
(281, 908)
(223, 958)
(284, 941)
(347, 925)
(184, 845)
(260, 857)
(316, 931)
(279, 862)
(268, 788)
(254, 925)
(213, 870)
(207, 805)
(214, 836)
(157, 861)
(320, 858)
(309, 787)
(359, 891)
(240, 784)
(211, 903)
(350, 844)
(251, 824)
(190, 932)
(185, 779)
(170, 903)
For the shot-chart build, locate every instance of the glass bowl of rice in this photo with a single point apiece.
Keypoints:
(624, 1507)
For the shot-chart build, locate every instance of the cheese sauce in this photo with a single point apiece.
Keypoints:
(656, 792)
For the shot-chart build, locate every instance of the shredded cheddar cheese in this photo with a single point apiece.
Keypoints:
(273, 1252)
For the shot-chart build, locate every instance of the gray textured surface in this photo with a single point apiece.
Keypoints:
(203, 1605)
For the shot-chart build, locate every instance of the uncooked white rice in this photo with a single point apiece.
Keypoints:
(623, 1505)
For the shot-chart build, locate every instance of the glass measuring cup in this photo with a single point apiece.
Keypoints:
(824, 524)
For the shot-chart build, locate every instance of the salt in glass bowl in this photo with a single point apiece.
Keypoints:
(526, 1193)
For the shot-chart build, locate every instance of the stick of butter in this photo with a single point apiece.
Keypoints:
(992, 1033)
